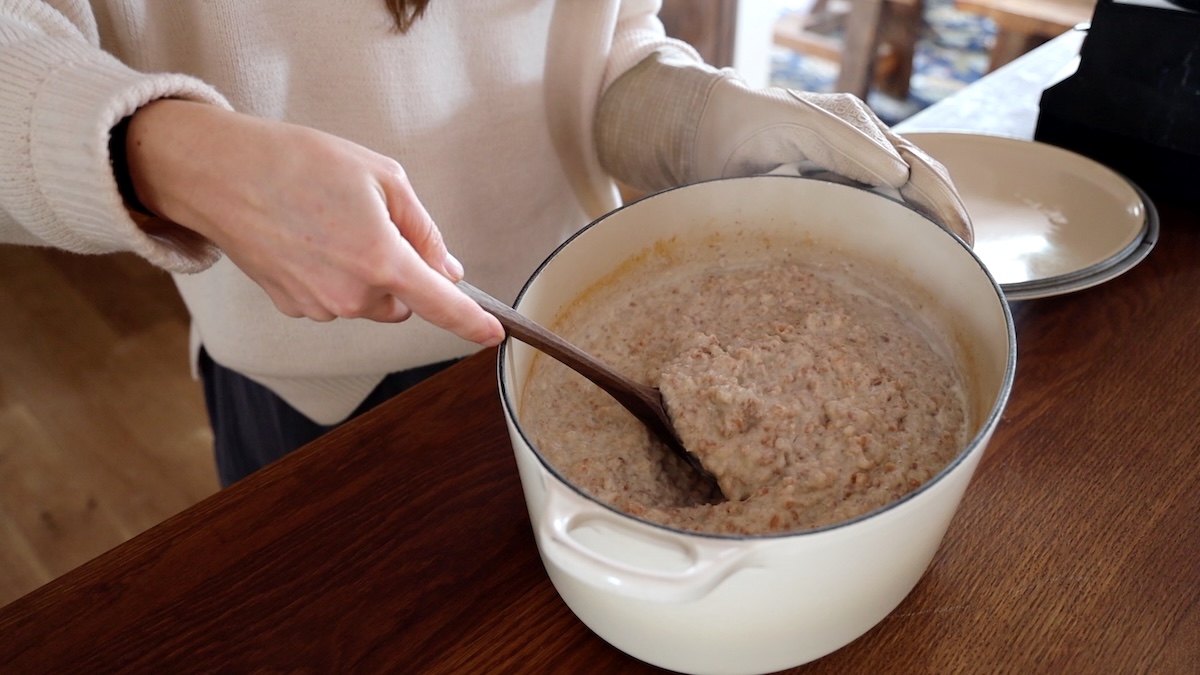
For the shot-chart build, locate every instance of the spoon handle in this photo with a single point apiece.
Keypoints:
(644, 401)
(535, 335)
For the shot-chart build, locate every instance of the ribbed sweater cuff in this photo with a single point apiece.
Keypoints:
(60, 99)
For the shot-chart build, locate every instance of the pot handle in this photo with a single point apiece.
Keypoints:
(711, 561)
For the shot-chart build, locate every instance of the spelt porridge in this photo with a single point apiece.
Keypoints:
(807, 386)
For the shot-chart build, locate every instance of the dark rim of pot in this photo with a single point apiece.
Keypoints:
(508, 399)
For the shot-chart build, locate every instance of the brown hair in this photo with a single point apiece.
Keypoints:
(406, 12)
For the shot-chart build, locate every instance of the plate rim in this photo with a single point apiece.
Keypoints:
(1119, 267)
(1090, 275)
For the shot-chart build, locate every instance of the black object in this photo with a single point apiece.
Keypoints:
(1133, 102)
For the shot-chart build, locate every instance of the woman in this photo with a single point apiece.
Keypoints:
(304, 169)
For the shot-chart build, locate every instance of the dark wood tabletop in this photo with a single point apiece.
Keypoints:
(401, 542)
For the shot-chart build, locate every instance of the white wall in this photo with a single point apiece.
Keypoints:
(752, 41)
(753, 36)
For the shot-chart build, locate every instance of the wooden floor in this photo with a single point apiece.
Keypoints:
(102, 428)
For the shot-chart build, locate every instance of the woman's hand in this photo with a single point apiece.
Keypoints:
(326, 227)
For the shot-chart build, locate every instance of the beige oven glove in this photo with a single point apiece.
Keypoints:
(671, 121)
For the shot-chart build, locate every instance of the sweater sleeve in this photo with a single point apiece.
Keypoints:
(592, 45)
(60, 97)
(639, 33)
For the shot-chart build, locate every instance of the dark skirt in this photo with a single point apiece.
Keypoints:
(253, 427)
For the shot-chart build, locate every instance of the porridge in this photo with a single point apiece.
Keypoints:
(807, 387)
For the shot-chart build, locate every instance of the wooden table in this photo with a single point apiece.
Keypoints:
(400, 543)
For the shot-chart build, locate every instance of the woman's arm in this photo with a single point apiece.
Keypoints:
(670, 119)
(326, 227)
(60, 95)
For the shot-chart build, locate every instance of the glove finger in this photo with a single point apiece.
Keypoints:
(853, 145)
(848, 109)
(931, 190)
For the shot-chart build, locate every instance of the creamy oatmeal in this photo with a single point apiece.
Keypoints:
(806, 386)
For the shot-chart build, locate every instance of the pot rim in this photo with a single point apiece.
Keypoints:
(507, 396)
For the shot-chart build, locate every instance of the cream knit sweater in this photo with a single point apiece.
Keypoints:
(488, 105)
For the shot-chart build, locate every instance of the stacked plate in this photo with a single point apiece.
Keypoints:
(1047, 220)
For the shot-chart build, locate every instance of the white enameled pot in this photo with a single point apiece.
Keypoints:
(699, 603)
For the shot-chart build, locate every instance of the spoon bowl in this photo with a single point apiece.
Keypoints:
(642, 400)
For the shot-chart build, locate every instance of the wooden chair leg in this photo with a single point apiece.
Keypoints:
(1008, 46)
(901, 30)
(877, 45)
(860, 47)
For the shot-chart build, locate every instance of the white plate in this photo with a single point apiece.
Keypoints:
(1047, 220)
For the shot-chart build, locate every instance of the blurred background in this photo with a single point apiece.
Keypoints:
(949, 51)
(899, 55)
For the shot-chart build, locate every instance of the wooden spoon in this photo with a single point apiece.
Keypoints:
(644, 401)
